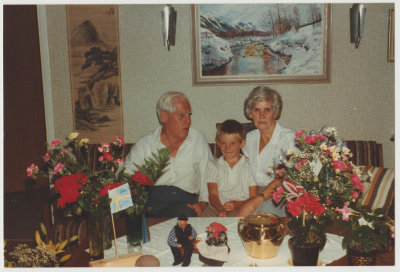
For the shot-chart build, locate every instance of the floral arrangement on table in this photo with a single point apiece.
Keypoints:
(80, 189)
(45, 254)
(316, 180)
(82, 184)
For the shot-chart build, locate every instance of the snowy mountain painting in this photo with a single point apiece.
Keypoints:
(261, 40)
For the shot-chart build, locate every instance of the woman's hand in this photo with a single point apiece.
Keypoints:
(229, 206)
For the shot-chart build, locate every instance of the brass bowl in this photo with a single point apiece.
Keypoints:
(261, 234)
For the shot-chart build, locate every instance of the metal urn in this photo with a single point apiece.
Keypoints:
(261, 234)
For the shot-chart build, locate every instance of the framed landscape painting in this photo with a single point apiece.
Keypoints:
(261, 43)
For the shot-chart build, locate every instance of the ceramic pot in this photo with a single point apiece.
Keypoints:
(358, 258)
(304, 255)
(261, 234)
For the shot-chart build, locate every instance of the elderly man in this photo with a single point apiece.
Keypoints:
(181, 189)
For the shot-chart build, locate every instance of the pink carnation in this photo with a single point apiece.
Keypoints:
(356, 181)
(58, 168)
(354, 194)
(298, 133)
(119, 162)
(47, 157)
(119, 141)
(32, 170)
(55, 142)
(278, 193)
(338, 166)
(104, 147)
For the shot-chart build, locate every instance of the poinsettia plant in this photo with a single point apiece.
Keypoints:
(78, 186)
(316, 179)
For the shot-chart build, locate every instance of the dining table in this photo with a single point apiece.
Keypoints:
(332, 254)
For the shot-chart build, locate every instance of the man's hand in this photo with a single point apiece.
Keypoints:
(250, 206)
(198, 207)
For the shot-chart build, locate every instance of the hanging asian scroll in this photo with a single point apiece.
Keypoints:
(93, 44)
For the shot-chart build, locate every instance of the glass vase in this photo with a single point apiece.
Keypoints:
(134, 225)
(95, 234)
(107, 233)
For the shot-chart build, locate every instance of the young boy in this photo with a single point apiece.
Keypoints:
(229, 179)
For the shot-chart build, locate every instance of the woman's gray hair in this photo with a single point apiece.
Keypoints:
(166, 103)
(261, 93)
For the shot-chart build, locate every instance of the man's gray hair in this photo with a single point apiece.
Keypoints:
(166, 103)
(261, 93)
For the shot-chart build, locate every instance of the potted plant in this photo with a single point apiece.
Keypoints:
(368, 231)
(316, 178)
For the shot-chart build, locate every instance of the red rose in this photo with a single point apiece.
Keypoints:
(142, 179)
(107, 156)
(108, 187)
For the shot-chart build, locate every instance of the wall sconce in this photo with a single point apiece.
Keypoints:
(168, 17)
(357, 19)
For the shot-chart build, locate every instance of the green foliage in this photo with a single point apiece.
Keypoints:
(154, 166)
(312, 232)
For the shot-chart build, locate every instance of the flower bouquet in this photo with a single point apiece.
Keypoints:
(315, 180)
(80, 189)
(140, 184)
(81, 184)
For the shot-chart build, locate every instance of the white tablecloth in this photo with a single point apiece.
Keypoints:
(158, 246)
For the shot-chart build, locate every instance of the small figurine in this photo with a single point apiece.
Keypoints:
(182, 235)
(214, 251)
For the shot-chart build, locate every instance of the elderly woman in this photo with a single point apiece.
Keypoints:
(263, 147)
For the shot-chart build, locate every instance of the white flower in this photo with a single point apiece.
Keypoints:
(364, 222)
(290, 152)
(73, 136)
(333, 149)
(335, 156)
(345, 150)
(323, 146)
(331, 131)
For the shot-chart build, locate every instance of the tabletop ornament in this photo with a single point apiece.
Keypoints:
(181, 241)
(315, 181)
(214, 250)
(261, 234)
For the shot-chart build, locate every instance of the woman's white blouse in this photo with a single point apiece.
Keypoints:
(282, 139)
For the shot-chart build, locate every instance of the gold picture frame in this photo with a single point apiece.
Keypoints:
(391, 46)
(201, 31)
